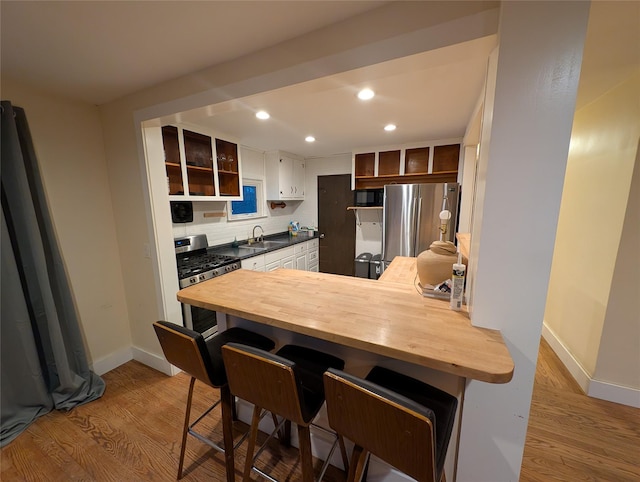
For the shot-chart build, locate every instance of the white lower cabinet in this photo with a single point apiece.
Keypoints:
(272, 266)
(302, 256)
(255, 263)
(300, 260)
(287, 263)
(281, 258)
(313, 255)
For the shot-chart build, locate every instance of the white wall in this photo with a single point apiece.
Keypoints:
(525, 151)
(68, 141)
(592, 313)
(604, 144)
(619, 354)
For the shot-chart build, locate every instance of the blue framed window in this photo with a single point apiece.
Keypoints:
(249, 203)
(252, 202)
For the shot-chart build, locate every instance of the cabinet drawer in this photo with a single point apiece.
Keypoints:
(312, 256)
(278, 254)
(314, 243)
(255, 263)
(313, 267)
(272, 266)
(300, 247)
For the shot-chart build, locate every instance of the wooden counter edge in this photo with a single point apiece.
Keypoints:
(464, 243)
(496, 376)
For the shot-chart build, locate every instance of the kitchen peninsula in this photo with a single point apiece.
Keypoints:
(366, 322)
(386, 317)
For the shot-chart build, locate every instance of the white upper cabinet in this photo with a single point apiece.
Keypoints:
(201, 165)
(284, 176)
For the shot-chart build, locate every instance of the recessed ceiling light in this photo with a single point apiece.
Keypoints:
(366, 94)
(310, 139)
(262, 115)
(390, 127)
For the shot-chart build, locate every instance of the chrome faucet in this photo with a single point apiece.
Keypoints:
(261, 237)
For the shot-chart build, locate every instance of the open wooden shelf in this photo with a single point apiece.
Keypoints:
(228, 177)
(365, 208)
(199, 168)
(172, 158)
(198, 149)
(389, 163)
(446, 158)
(207, 176)
(365, 164)
(416, 161)
(374, 182)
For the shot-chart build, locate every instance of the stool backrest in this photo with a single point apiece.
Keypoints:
(388, 425)
(185, 349)
(264, 379)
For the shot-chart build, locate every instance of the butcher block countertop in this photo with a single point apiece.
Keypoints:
(385, 316)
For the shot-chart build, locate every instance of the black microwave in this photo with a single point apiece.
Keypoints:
(368, 197)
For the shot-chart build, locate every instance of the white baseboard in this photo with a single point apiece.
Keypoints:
(575, 368)
(593, 388)
(120, 357)
(153, 361)
(614, 393)
(111, 361)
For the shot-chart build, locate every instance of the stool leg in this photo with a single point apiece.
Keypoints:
(304, 441)
(185, 429)
(287, 434)
(343, 452)
(275, 424)
(227, 430)
(248, 463)
(358, 463)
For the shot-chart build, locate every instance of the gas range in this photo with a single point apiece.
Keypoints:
(197, 264)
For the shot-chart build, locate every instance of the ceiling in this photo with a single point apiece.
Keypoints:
(428, 96)
(100, 51)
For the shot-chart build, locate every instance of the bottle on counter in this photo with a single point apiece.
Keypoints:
(457, 284)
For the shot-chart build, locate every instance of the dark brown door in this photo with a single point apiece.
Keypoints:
(336, 225)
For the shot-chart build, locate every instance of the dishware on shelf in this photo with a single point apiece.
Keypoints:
(222, 161)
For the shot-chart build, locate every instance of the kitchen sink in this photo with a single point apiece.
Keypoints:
(250, 249)
(268, 244)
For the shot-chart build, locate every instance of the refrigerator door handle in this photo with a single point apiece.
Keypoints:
(416, 228)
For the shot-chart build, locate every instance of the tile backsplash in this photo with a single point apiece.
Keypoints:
(219, 230)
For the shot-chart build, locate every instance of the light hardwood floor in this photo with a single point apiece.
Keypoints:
(132, 434)
(574, 437)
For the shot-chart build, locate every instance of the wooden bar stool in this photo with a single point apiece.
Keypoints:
(403, 421)
(288, 384)
(202, 360)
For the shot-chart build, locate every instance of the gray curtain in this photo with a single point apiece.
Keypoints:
(42, 359)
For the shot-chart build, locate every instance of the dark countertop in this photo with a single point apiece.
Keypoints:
(245, 250)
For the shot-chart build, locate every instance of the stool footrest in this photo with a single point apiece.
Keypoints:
(325, 465)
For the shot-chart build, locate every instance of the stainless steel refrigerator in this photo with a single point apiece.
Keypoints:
(411, 217)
